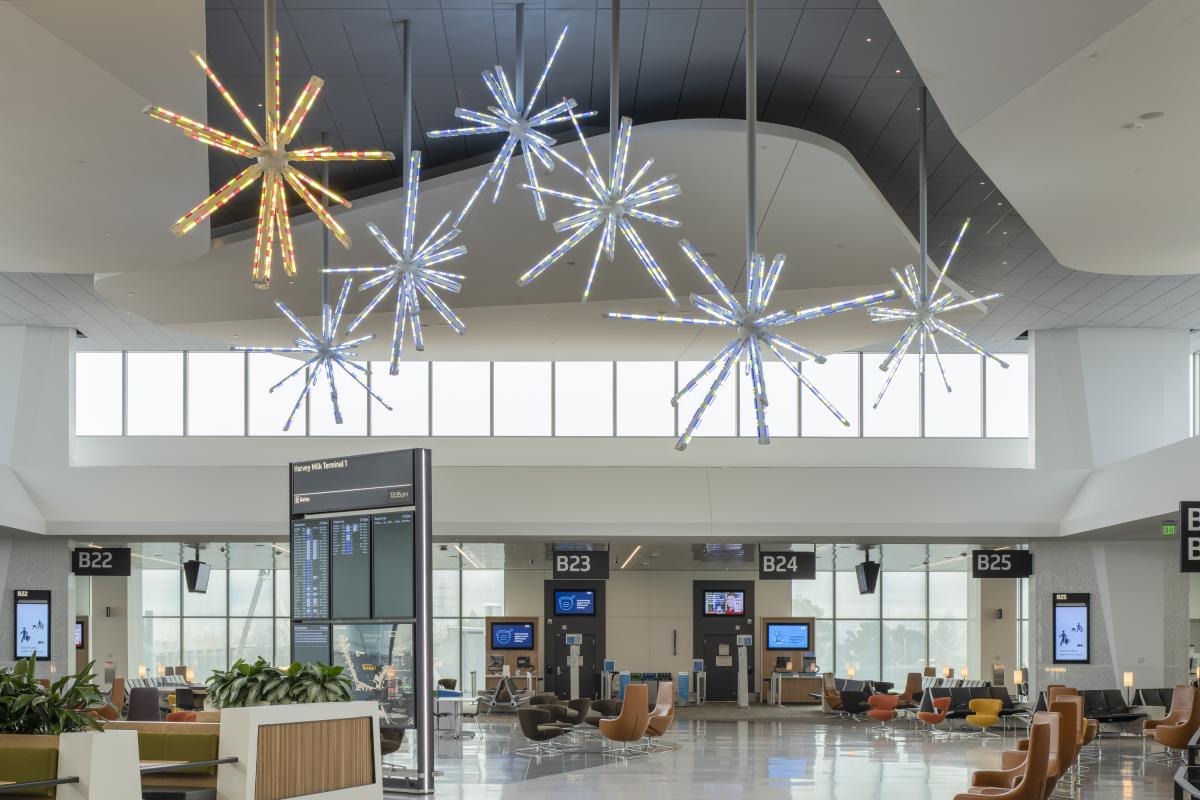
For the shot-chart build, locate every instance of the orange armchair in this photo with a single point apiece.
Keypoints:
(1032, 782)
(883, 710)
(630, 726)
(941, 706)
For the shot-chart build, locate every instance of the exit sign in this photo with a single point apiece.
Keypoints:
(1169, 529)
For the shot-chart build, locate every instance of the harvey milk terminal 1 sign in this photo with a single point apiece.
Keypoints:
(374, 480)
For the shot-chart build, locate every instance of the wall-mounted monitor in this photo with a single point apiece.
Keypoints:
(31, 635)
(578, 603)
(789, 636)
(1072, 633)
(724, 604)
(512, 636)
(195, 574)
(80, 636)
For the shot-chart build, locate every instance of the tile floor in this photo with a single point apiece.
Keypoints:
(834, 761)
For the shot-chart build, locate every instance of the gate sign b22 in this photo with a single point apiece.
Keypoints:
(1001, 563)
(569, 564)
(1189, 541)
(785, 565)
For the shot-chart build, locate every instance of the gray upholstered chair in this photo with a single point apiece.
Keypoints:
(143, 705)
(538, 727)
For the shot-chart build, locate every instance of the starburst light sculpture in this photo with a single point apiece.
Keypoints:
(615, 202)
(925, 321)
(754, 331)
(270, 161)
(409, 274)
(521, 124)
(324, 353)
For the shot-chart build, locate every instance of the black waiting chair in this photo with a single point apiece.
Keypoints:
(854, 704)
(602, 709)
(960, 703)
(143, 705)
(538, 727)
(185, 699)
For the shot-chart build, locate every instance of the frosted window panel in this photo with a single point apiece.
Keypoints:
(445, 593)
(446, 643)
(813, 598)
(407, 392)
(521, 398)
(98, 394)
(160, 592)
(283, 597)
(948, 595)
(837, 379)
(783, 418)
(824, 641)
(283, 643)
(1007, 400)
(462, 398)
(957, 412)
(903, 650)
(721, 417)
(851, 604)
(583, 398)
(897, 412)
(352, 399)
(250, 638)
(644, 390)
(948, 645)
(160, 645)
(216, 394)
(210, 603)
(154, 394)
(903, 595)
(858, 647)
(204, 645)
(250, 592)
(482, 592)
(474, 650)
(269, 410)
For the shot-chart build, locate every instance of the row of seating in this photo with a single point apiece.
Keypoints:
(629, 722)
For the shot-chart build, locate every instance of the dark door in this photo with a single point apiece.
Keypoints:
(589, 674)
(720, 665)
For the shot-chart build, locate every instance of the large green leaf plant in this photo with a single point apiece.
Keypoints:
(28, 707)
(262, 684)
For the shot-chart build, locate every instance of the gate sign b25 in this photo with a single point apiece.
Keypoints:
(785, 565)
(1189, 541)
(1001, 563)
(570, 564)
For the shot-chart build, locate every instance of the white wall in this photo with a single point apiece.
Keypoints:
(39, 563)
(109, 634)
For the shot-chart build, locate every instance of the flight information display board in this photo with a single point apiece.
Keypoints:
(310, 569)
(311, 643)
(392, 566)
(350, 567)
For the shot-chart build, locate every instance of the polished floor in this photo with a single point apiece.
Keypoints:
(824, 761)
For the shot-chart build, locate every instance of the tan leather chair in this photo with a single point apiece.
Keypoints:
(117, 694)
(630, 726)
(1032, 783)
(1182, 697)
(912, 688)
(1176, 735)
(990, 782)
(929, 672)
(831, 698)
(663, 716)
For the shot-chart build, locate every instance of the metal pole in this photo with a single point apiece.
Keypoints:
(423, 629)
(407, 154)
(614, 83)
(751, 129)
(269, 95)
(324, 234)
(923, 241)
(520, 67)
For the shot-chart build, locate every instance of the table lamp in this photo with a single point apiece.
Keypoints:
(964, 673)
(160, 669)
(1127, 682)
(1018, 677)
(191, 676)
(850, 671)
(141, 670)
(947, 672)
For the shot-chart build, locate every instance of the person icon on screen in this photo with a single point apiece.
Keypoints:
(24, 634)
(39, 625)
(1062, 638)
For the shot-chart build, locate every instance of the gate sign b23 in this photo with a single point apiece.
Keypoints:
(1189, 540)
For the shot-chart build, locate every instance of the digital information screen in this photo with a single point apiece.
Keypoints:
(310, 643)
(724, 604)
(392, 566)
(512, 636)
(32, 632)
(310, 569)
(350, 567)
(380, 662)
(578, 603)
(1072, 638)
(788, 636)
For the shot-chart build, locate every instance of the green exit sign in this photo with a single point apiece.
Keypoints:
(1169, 529)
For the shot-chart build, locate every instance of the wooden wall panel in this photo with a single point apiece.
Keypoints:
(304, 758)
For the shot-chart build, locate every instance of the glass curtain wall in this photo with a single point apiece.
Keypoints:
(468, 585)
(916, 618)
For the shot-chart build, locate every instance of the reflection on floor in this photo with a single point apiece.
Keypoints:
(828, 761)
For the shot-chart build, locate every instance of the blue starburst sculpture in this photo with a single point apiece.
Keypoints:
(924, 320)
(614, 204)
(409, 275)
(754, 330)
(516, 119)
(324, 353)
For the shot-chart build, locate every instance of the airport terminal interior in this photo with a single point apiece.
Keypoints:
(599, 398)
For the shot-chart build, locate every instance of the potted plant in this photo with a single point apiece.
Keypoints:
(262, 684)
(29, 708)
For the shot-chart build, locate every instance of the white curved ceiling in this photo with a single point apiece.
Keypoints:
(1041, 94)
(815, 204)
(84, 176)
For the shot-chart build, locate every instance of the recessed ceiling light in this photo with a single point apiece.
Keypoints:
(983, 183)
(1003, 262)
(1004, 233)
(868, 40)
(897, 72)
(999, 202)
(108, 236)
(131, 294)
